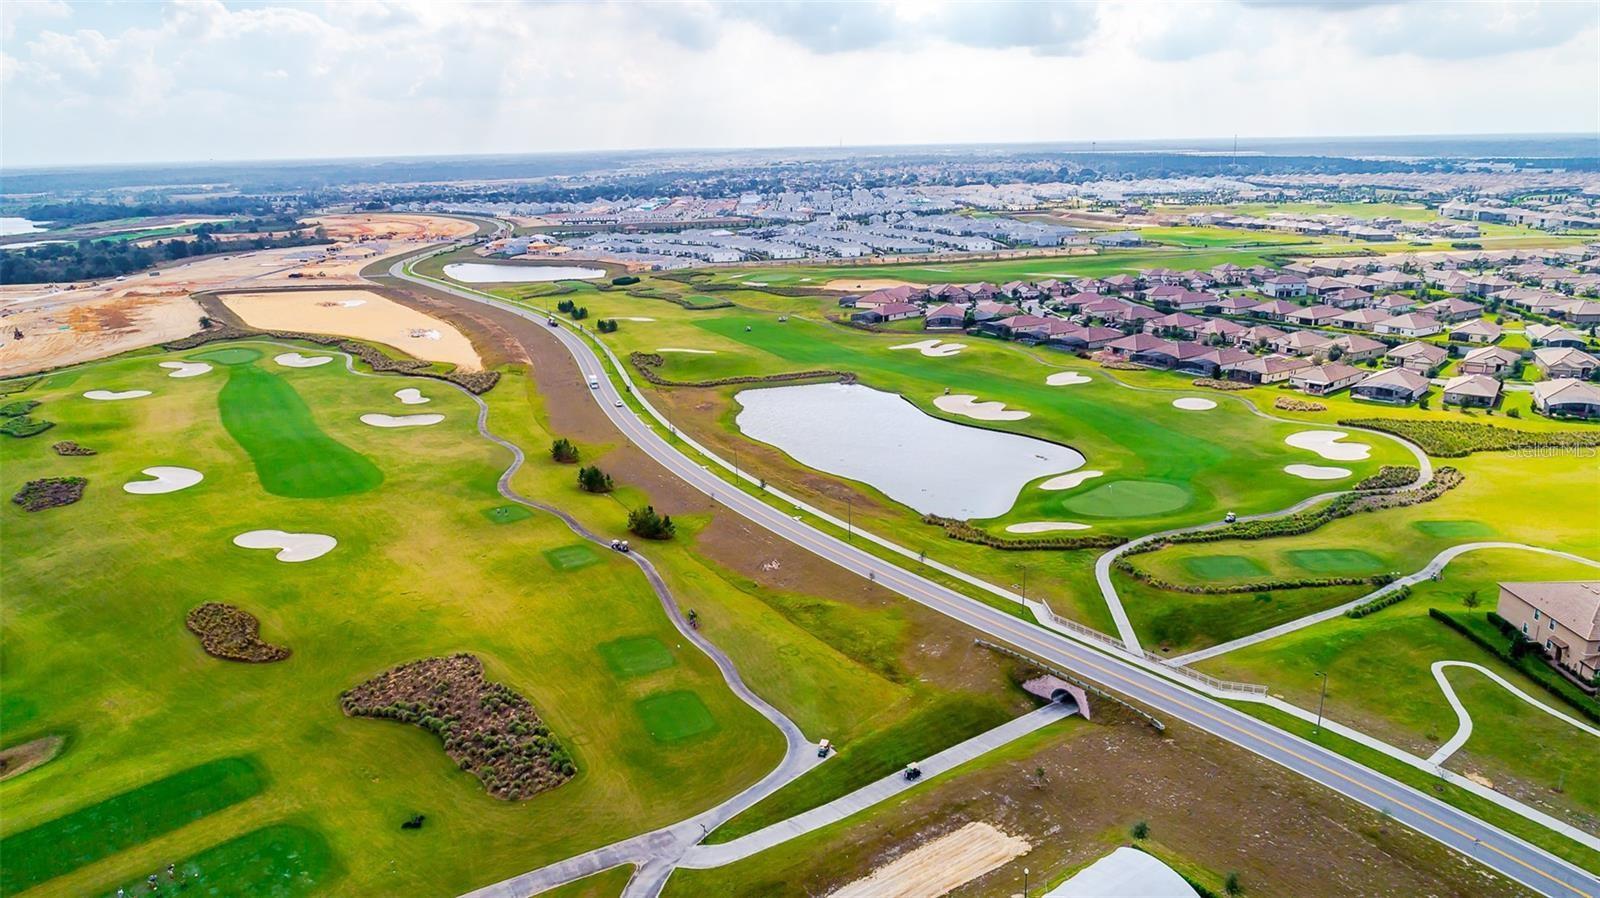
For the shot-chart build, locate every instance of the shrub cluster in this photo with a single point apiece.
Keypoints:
(593, 480)
(68, 447)
(571, 308)
(1453, 439)
(1120, 365)
(606, 325)
(967, 533)
(624, 280)
(1297, 405)
(1380, 603)
(488, 729)
(562, 450)
(647, 362)
(231, 633)
(18, 407)
(24, 426)
(1212, 383)
(1391, 477)
(50, 492)
(647, 523)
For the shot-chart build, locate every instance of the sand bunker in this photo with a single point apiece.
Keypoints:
(1045, 527)
(401, 420)
(167, 480)
(1066, 379)
(633, 318)
(1326, 444)
(690, 351)
(112, 396)
(362, 314)
(937, 349)
(411, 396)
(940, 866)
(296, 360)
(966, 404)
(1317, 472)
(292, 547)
(186, 369)
(1068, 481)
(1194, 404)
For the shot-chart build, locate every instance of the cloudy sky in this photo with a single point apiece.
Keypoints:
(200, 79)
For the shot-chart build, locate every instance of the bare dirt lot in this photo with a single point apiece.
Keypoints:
(363, 314)
(937, 867)
(54, 334)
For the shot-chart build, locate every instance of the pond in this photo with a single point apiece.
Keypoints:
(880, 439)
(12, 225)
(485, 273)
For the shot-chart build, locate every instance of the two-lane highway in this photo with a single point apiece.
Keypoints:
(1507, 854)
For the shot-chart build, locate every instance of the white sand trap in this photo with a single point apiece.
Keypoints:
(633, 318)
(940, 866)
(186, 369)
(1326, 444)
(1194, 404)
(350, 303)
(291, 547)
(1068, 481)
(690, 351)
(937, 349)
(401, 420)
(966, 404)
(1045, 527)
(1067, 379)
(167, 480)
(296, 360)
(411, 396)
(1317, 472)
(112, 396)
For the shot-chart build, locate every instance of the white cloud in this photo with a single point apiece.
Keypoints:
(203, 79)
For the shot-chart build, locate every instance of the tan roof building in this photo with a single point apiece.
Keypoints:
(1561, 617)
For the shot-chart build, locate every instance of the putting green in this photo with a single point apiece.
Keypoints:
(64, 379)
(100, 830)
(1334, 561)
(570, 558)
(1449, 529)
(1129, 499)
(1223, 567)
(674, 716)
(278, 861)
(506, 514)
(231, 355)
(293, 457)
(633, 656)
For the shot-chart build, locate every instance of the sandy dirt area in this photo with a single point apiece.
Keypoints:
(859, 285)
(940, 866)
(968, 405)
(937, 349)
(1329, 445)
(1317, 472)
(25, 756)
(363, 314)
(1046, 527)
(1068, 481)
(54, 334)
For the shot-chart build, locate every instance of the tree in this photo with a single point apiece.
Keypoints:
(563, 451)
(1141, 830)
(1471, 599)
(647, 523)
(593, 480)
(1231, 884)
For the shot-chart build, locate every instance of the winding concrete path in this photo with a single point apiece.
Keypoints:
(1158, 687)
(1464, 720)
(1428, 572)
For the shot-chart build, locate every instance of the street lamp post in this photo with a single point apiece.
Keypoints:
(1322, 699)
(850, 519)
(1024, 882)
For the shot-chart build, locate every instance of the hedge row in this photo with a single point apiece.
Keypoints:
(1391, 477)
(1297, 405)
(967, 533)
(1123, 565)
(1506, 655)
(1380, 603)
(1453, 439)
(477, 382)
(647, 362)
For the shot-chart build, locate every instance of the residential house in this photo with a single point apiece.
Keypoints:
(1214, 362)
(1488, 285)
(1579, 311)
(1361, 319)
(1452, 309)
(1478, 330)
(1472, 389)
(1356, 348)
(1084, 338)
(1302, 343)
(1417, 356)
(1213, 329)
(1283, 285)
(1261, 335)
(1557, 361)
(1399, 386)
(1266, 369)
(1179, 324)
(1562, 618)
(1192, 300)
(889, 311)
(1348, 298)
(1567, 398)
(1491, 360)
(1410, 324)
(1324, 380)
(1314, 316)
(1555, 335)
(989, 310)
(1322, 285)
(1016, 327)
(1393, 303)
(1274, 309)
(1397, 280)
(1234, 305)
(1120, 283)
(1144, 349)
(946, 317)
(1162, 291)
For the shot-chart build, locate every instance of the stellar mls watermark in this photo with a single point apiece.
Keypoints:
(1556, 452)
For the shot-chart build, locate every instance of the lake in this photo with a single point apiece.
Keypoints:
(880, 439)
(11, 225)
(484, 273)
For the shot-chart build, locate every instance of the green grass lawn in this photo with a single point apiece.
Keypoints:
(293, 456)
(278, 861)
(633, 656)
(571, 558)
(1334, 562)
(672, 717)
(1217, 567)
(507, 514)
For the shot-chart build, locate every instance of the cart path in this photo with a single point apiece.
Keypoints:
(1464, 729)
(1428, 572)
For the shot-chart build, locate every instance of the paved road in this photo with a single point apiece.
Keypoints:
(1462, 832)
(1428, 572)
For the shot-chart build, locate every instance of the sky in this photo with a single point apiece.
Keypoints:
(96, 82)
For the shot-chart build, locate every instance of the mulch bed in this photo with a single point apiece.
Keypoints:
(50, 492)
(232, 634)
(68, 447)
(488, 730)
